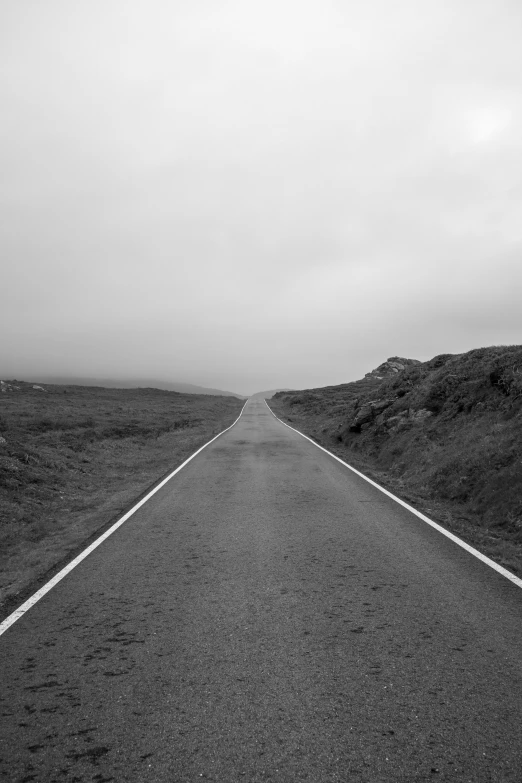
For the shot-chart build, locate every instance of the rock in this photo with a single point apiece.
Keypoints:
(396, 421)
(390, 368)
(409, 415)
(40, 388)
(364, 415)
(7, 387)
(421, 414)
(368, 413)
(380, 405)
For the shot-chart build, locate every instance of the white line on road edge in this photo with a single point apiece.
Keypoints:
(12, 618)
(455, 539)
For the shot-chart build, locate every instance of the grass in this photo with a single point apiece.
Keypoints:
(445, 435)
(72, 458)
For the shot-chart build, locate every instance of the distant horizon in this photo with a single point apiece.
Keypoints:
(64, 377)
(94, 380)
(91, 378)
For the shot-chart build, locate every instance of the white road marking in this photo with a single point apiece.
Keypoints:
(12, 618)
(455, 539)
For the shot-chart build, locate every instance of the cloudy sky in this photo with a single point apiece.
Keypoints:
(257, 193)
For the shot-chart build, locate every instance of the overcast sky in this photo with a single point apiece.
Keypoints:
(257, 193)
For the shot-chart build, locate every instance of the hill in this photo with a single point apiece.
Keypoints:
(136, 383)
(446, 435)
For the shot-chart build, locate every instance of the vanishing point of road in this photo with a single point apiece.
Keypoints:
(267, 616)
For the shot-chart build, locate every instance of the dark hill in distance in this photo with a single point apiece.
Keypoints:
(445, 435)
(139, 383)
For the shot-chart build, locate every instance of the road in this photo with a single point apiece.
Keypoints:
(267, 616)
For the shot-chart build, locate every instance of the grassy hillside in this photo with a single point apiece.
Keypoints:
(446, 435)
(72, 457)
(136, 383)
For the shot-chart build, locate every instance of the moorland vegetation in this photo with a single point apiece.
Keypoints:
(445, 435)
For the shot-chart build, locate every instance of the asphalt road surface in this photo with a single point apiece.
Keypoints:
(267, 616)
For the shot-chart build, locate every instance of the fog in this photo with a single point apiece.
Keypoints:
(248, 195)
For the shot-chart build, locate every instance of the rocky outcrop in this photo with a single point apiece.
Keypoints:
(23, 386)
(373, 412)
(5, 386)
(391, 367)
(368, 412)
(373, 409)
(444, 388)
